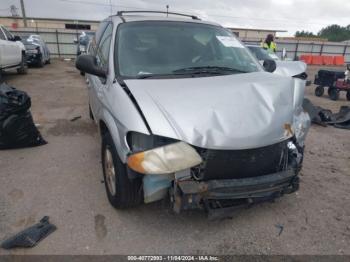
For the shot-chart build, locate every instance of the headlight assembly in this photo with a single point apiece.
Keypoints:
(165, 160)
(301, 125)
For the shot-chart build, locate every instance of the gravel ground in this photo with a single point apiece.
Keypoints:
(63, 180)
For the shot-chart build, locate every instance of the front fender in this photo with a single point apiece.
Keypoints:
(118, 134)
(301, 119)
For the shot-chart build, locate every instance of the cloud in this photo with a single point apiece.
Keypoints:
(291, 15)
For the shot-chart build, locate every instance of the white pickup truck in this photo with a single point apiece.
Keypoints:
(12, 52)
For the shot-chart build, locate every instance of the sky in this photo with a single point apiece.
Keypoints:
(290, 15)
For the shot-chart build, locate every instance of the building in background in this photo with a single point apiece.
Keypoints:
(16, 22)
(254, 34)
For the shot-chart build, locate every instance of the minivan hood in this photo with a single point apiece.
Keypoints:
(290, 68)
(223, 112)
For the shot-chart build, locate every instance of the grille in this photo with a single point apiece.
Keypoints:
(231, 164)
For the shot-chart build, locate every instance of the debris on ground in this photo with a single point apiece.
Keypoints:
(75, 118)
(30, 236)
(17, 129)
(280, 227)
(324, 117)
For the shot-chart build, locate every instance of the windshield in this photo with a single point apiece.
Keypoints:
(147, 49)
(261, 54)
(29, 40)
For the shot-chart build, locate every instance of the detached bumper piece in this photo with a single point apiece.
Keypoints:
(30, 236)
(221, 197)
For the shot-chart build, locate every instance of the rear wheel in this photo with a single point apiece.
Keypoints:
(23, 69)
(333, 93)
(122, 192)
(319, 91)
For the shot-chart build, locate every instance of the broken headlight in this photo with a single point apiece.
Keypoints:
(138, 142)
(301, 125)
(160, 155)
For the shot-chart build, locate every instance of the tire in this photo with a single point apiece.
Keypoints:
(82, 73)
(23, 70)
(319, 91)
(48, 61)
(333, 94)
(126, 192)
(348, 95)
(329, 89)
(40, 63)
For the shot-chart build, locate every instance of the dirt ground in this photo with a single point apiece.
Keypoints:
(63, 180)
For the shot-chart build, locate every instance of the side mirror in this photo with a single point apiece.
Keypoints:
(269, 65)
(17, 38)
(87, 64)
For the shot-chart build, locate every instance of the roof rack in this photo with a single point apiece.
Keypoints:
(120, 13)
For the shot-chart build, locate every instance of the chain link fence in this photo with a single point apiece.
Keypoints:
(59, 41)
(61, 44)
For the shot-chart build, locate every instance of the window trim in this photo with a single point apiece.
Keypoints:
(2, 32)
(99, 44)
(5, 31)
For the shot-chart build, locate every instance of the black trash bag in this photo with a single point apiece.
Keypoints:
(17, 129)
(30, 236)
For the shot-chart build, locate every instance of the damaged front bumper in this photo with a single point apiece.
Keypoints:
(33, 59)
(220, 197)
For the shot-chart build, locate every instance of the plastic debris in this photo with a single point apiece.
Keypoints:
(75, 118)
(324, 117)
(280, 227)
(17, 129)
(30, 236)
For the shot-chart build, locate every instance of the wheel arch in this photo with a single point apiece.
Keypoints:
(107, 124)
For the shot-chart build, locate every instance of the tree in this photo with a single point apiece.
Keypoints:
(304, 34)
(335, 33)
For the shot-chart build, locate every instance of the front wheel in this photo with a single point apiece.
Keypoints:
(23, 69)
(122, 192)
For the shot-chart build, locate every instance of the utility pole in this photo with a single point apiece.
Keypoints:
(23, 13)
(167, 10)
(111, 6)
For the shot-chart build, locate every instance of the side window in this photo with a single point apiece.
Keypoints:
(92, 47)
(100, 31)
(2, 36)
(8, 34)
(102, 53)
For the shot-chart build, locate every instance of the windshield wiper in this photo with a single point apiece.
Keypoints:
(144, 76)
(208, 69)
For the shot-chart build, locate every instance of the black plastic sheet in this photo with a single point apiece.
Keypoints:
(17, 129)
(30, 236)
(324, 117)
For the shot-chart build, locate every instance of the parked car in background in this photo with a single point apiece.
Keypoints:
(83, 42)
(38, 53)
(12, 52)
(184, 109)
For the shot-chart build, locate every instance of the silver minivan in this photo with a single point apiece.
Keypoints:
(186, 111)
